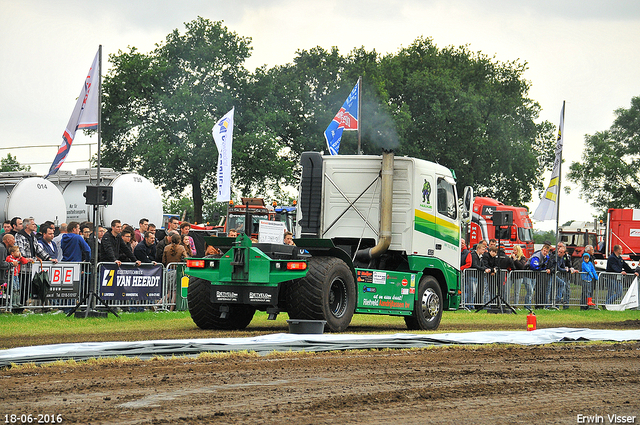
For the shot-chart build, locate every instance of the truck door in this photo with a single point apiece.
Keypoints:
(447, 244)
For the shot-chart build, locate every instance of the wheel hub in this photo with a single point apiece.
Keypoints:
(430, 304)
(338, 297)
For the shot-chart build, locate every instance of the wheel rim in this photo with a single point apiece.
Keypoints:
(338, 297)
(430, 304)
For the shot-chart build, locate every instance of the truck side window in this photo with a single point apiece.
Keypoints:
(446, 199)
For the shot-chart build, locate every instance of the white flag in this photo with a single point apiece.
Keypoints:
(547, 208)
(223, 136)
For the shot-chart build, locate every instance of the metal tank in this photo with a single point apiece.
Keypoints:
(134, 196)
(23, 194)
(73, 187)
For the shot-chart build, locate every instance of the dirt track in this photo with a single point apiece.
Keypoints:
(550, 384)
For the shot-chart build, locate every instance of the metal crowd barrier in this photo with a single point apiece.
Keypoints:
(534, 290)
(69, 284)
(72, 282)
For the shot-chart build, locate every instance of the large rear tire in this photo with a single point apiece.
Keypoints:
(327, 292)
(206, 314)
(427, 311)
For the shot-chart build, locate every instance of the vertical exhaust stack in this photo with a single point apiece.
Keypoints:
(386, 203)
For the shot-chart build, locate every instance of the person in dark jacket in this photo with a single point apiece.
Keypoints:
(615, 264)
(113, 246)
(145, 251)
(559, 262)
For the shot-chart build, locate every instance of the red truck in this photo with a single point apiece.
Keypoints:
(623, 228)
(481, 226)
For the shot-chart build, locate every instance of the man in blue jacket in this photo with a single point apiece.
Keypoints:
(537, 262)
(74, 247)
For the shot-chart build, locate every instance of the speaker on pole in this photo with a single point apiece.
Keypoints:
(502, 218)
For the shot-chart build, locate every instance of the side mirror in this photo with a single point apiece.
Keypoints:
(467, 203)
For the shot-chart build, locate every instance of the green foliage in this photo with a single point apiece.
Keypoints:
(540, 237)
(461, 109)
(470, 113)
(10, 163)
(464, 110)
(608, 173)
(160, 108)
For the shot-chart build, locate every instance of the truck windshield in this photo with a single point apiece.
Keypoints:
(236, 221)
(578, 239)
(525, 235)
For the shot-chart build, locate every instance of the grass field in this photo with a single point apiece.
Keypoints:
(37, 329)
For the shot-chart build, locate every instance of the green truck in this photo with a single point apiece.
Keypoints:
(376, 235)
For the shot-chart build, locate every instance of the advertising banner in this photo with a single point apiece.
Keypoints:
(130, 283)
(63, 277)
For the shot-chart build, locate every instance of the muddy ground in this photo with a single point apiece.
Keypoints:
(450, 385)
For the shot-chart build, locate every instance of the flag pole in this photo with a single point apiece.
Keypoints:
(560, 136)
(96, 208)
(359, 116)
(555, 268)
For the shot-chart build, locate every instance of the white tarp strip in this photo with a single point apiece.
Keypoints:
(296, 342)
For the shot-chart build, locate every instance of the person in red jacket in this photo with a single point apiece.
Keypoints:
(16, 258)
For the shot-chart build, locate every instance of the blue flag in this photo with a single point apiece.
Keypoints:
(345, 119)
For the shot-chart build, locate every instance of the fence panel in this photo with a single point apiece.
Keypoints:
(611, 287)
(175, 280)
(69, 283)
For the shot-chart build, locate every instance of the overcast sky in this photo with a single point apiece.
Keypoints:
(584, 52)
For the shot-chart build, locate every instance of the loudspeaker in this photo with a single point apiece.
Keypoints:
(502, 218)
(99, 195)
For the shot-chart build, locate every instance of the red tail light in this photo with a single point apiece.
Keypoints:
(195, 264)
(298, 265)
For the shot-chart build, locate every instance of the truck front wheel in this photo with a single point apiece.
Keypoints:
(327, 292)
(207, 315)
(427, 311)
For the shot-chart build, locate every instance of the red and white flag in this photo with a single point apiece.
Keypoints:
(84, 116)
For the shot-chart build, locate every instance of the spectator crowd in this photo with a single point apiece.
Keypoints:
(554, 268)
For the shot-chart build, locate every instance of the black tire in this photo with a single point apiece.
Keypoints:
(206, 314)
(427, 311)
(327, 292)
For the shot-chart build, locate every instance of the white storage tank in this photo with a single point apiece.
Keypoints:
(134, 197)
(73, 187)
(24, 195)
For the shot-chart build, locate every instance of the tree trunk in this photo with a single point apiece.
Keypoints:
(198, 202)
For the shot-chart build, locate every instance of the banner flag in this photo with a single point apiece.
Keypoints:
(223, 136)
(128, 282)
(84, 116)
(345, 119)
(547, 208)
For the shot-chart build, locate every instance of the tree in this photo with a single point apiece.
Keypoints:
(159, 109)
(461, 109)
(470, 113)
(608, 174)
(540, 237)
(10, 163)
